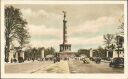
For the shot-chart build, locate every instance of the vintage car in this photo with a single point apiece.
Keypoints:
(117, 62)
(85, 60)
(92, 59)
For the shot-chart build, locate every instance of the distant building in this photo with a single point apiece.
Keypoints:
(119, 51)
(42, 53)
(15, 53)
(91, 53)
(11, 55)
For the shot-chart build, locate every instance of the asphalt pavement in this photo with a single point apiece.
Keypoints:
(92, 67)
(71, 66)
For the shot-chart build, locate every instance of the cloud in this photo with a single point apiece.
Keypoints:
(94, 26)
(39, 17)
(46, 43)
(42, 30)
(29, 13)
(86, 41)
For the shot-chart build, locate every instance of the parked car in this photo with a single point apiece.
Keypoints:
(85, 60)
(117, 62)
(91, 58)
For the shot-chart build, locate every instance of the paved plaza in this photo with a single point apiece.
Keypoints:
(71, 66)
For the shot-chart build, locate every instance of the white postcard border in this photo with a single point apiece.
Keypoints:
(46, 75)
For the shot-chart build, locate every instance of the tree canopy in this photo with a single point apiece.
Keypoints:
(15, 28)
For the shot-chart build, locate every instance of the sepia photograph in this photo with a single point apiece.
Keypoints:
(64, 38)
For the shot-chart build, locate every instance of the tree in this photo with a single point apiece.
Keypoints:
(22, 36)
(95, 53)
(121, 26)
(49, 51)
(101, 52)
(108, 40)
(14, 22)
(84, 51)
(120, 37)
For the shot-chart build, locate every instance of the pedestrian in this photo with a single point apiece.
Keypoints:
(54, 59)
(11, 60)
(33, 59)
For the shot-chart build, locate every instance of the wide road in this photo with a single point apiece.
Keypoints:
(72, 66)
(79, 67)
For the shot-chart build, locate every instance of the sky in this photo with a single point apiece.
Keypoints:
(86, 23)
